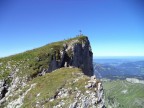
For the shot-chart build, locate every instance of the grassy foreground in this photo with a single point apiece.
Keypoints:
(48, 85)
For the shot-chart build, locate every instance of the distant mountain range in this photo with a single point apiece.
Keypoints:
(118, 68)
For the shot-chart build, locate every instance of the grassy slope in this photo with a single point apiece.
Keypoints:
(31, 62)
(134, 98)
(48, 85)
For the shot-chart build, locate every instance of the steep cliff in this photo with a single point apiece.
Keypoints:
(55, 75)
(77, 53)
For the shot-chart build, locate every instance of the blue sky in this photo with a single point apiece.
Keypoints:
(114, 27)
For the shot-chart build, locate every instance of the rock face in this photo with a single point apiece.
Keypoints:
(93, 97)
(76, 53)
(3, 88)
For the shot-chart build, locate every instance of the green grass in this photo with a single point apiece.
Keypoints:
(48, 85)
(134, 98)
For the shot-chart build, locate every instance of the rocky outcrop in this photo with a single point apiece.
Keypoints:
(18, 102)
(93, 97)
(76, 53)
(8, 89)
(3, 88)
(95, 92)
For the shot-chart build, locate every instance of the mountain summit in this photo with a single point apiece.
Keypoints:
(75, 52)
(56, 75)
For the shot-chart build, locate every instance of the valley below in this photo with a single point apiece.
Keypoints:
(123, 94)
(123, 82)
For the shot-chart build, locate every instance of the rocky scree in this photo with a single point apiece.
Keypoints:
(92, 97)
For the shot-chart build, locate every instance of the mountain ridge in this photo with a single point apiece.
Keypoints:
(23, 73)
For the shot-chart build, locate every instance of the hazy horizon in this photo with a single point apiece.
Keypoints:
(119, 57)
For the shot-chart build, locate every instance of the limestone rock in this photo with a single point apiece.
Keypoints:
(75, 53)
(93, 96)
